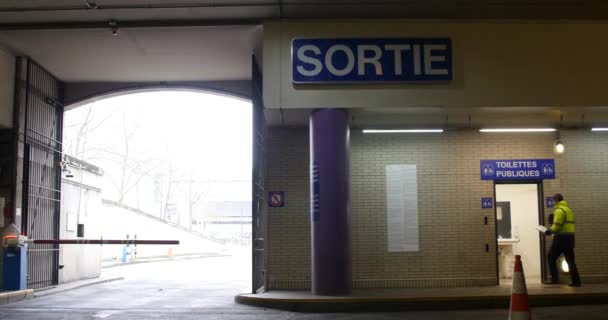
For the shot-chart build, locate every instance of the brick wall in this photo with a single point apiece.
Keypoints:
(289, 227)
(452, 230)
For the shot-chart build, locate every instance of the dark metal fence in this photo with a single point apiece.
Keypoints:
(258, 180)
(42, 154)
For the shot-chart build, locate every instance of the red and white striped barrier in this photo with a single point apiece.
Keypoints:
(104, 241)
(519, 308)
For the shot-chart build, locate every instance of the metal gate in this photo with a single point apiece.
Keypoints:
(41, 111)
(258, 180)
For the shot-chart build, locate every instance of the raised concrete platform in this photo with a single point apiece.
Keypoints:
(14, 296)
(425, 299)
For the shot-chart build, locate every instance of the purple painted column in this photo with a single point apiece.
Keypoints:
(330, 202)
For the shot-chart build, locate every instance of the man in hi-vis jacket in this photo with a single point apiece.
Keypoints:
(563, 241)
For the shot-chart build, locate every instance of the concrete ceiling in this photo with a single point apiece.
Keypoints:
(39, 11)
(140, 54)
(189, 40)
(197, 40)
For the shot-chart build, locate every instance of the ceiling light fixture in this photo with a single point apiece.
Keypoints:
(559, 147)
(519, 130)
(113, 24)
(91, 4)
(403, 131)
(599, 129)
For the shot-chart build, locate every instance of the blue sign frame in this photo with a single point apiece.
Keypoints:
(365, 60)
(527, 169)
(550, 202)
(487, 203)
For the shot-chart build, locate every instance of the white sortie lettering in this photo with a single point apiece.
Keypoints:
(362, 60)
(417, 60)
(350, 56)
(318, 66)
(429, 59)
(397, 48)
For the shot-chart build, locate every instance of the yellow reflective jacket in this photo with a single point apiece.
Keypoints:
(563, 218)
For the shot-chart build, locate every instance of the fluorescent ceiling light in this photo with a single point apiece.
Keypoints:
(403, 131)
(519, 130)
(599, 129)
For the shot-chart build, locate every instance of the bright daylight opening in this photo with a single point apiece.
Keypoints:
(517, 216)
(164, 165)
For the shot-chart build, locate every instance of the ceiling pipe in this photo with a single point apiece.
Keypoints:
(211, 4)
(131, 24)
(89, 5)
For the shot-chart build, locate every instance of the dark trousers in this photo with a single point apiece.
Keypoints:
(563, 244)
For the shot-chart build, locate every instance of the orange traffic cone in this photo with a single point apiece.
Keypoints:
(519, 309)
(170, 253)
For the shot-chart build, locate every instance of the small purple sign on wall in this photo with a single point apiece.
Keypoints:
(486, 203)
(550, 203)
(316, 193)
(276, 199)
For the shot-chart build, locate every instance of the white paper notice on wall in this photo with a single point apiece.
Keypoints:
(402, 208)
(2, 203)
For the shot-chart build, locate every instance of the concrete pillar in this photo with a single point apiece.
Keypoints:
(330, 202)
(7, 89)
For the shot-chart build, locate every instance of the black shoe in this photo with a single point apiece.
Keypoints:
(551, 283)
(574, 284)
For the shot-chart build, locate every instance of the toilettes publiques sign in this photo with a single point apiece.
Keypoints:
(529, 169)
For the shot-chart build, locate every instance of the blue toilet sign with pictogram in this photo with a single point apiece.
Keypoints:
(486, 203)
(550, 202)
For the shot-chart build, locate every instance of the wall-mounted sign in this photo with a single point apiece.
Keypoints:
(550, 203)
(486, 203)
(276, 199)
(371, 60)
(316, 192)
(533, 169)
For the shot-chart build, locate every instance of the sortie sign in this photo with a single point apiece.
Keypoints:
(368, 60)
(529, 169)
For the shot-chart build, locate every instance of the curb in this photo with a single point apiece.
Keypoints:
(362, 304)
(59, 288)
(388, 304)
(14, 296)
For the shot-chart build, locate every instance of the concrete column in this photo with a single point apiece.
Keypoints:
(7, 89)
(330, 202)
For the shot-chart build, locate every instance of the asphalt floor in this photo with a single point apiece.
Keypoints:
(205, 289)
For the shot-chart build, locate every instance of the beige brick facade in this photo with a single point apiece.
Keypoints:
(451, 222)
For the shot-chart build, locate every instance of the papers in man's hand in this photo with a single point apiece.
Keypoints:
(542, 229)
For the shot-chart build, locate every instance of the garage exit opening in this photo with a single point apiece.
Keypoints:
(159, 165)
